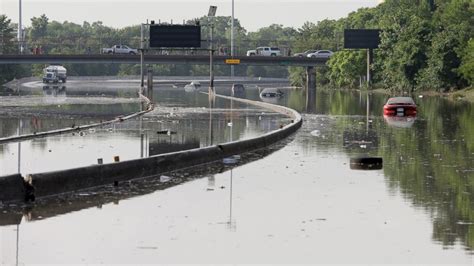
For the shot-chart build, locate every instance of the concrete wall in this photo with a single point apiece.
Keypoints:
(52, 183)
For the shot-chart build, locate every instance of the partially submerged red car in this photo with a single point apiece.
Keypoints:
(400, 106)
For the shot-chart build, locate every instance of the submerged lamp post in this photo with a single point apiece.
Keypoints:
(211, 14)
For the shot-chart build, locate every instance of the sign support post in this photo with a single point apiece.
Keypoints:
(370, 59)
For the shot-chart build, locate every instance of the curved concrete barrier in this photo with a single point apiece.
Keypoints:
(149, 107)
(57, 182)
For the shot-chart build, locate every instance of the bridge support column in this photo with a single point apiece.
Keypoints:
(149, 83)
(310, 88)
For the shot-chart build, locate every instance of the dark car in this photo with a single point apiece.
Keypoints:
(271, 92)
(238, 89)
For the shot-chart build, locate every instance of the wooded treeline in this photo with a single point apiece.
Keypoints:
(422, 48)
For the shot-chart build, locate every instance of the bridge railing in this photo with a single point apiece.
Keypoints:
(83, 45)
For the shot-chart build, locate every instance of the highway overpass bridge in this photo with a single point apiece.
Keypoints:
(161, 59)
(308, 63)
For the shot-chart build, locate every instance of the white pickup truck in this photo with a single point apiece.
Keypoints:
(119, 49)
(265, 51)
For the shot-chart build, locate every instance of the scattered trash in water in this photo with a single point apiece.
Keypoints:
(231, 160)
(165, 178)
(464, 223)
(166, 132)
(316, 133)
(147, 247)
(366, 163)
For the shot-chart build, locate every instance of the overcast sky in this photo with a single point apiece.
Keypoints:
(253, 14)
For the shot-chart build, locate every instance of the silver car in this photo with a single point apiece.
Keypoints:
(321, 54)
(305, 53)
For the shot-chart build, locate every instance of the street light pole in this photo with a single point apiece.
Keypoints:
(142, 47)
(20, 30)
(211, 14)
(232, 41)
(211, 64)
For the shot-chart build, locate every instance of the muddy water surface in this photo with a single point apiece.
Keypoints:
(298, 202)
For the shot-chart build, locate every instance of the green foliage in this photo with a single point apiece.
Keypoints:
(346, 67)
(39, 26)
(297, 76)
(8, 46)
(467, 67)
(7, 43)
(419, 49)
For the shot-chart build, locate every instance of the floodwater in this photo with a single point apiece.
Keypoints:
(181, 120)
(297, 202)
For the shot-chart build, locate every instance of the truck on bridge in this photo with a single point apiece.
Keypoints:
(54, 74)
(265, 51)
(119, 49)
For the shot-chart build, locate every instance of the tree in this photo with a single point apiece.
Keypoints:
(467, 67)
(39, 27)
(346, 68)
(8, 46)
(7, 36)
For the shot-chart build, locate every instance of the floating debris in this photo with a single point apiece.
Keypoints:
(316, 133)
(166, 132)
(366, 163)
(165, 178)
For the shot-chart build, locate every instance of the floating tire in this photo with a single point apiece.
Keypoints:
(366, 163)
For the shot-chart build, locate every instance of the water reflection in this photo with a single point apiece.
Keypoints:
(361, 135)
(97, 197)
(190, 128)
(397, 121)
(232, 223)
(430, 164)
(429, 159)
(54, 90)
